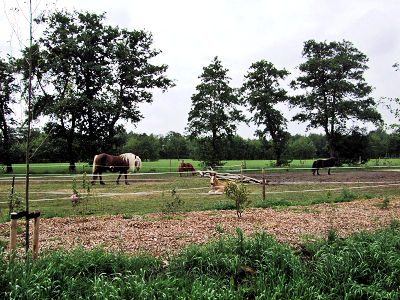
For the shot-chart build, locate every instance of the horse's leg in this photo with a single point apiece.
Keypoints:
(126, 178)
(329, 171)
(101, 179)
(94, 178)
(317, 171)
(119, 176)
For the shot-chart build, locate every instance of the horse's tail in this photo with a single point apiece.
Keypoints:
(94, 163)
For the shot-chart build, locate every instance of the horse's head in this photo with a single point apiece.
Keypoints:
(138, 163)
(213, 178)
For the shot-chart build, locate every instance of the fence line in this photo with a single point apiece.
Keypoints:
(37, 176)
(199, 188)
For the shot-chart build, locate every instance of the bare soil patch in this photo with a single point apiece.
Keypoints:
(160, 233)
(337, 175)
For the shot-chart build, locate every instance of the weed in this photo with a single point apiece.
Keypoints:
(219, 228)
(173, 204)
(384, 204)
(346, 196)
(395, 224)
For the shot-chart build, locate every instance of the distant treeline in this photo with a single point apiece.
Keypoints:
(174, 145)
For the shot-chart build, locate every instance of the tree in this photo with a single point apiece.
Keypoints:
(7, 89)
(262, 92)
(214, 114)
(353, 146)
(174, 145)
(302, 148)
(378, 143)
(336, 91)
(143, 145)
(93, 75)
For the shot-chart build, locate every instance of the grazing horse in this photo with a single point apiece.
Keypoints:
(186, 167)
(217, 187)
(327, 163)
(121, 163)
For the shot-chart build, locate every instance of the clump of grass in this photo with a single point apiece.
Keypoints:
(346, 196)
(271, 203)
(384, 204)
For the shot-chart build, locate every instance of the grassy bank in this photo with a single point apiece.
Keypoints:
(366, 265)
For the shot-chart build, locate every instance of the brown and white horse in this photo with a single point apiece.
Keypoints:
(121, 163)
(217, 187)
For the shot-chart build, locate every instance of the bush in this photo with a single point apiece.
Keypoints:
(240, 195)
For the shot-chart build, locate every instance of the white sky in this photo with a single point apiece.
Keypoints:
(240, 32)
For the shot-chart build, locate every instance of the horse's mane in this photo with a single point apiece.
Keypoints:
(132, 158)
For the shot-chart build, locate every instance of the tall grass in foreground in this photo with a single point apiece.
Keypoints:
(366, 265)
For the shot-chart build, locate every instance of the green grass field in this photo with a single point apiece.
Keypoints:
(151, 191)
(171, 165)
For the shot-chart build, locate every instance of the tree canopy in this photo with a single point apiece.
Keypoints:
(335, 89)
(261, 90)
(91, 76)
(8, 87)
(214, 113)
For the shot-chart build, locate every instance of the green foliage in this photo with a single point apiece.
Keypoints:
(173, 204)
(262, 92)
(337, 92)
(346, 196)
(8, 88)
(384, 204)
(366, 265)
(214, 113)
(91, 72)
(240, 195)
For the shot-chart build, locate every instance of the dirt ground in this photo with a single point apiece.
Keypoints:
(373, 176)
(161, 233)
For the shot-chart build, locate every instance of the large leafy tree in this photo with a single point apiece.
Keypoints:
(8, 89)
(214, 114)
(93, 75)
(262, 91)
(335, 89)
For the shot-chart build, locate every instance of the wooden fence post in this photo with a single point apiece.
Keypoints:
(36, 234)
(263, 183)
(13, 231)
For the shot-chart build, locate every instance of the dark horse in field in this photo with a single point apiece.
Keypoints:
(121, 163)
(186, 167)
(321, 163)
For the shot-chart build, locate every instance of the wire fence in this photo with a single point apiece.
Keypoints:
(51, 178)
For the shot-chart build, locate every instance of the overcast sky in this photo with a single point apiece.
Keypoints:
(240, 32)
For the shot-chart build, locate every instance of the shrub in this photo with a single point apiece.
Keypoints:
(240, 195)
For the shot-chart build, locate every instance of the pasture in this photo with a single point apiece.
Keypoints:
(158, 186)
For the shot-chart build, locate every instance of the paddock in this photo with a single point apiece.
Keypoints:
(105, 209)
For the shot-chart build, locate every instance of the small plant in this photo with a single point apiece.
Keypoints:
(346, 196)
(395, 224)
(240, 195)
(219, 228)
(175, 204)
(332, 236)
(384, 204)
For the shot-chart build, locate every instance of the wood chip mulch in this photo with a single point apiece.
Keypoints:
(162, 233)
